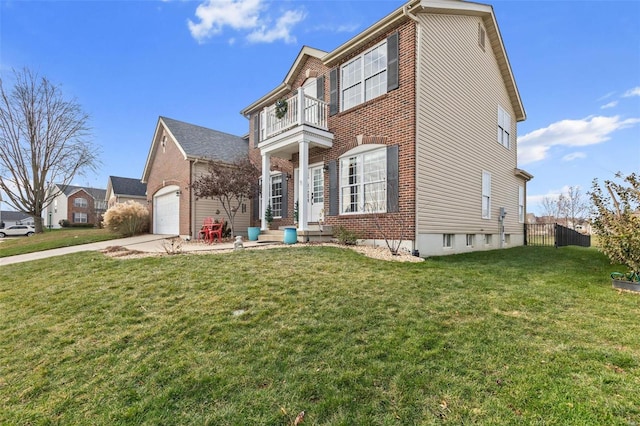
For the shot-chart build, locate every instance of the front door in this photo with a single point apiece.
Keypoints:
(316, 193)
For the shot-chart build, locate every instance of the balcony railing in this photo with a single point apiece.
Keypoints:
(313, 112)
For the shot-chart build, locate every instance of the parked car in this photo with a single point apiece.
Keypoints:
(17, 230)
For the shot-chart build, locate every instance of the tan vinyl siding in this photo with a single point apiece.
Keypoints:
(208, 207)
(459, 91)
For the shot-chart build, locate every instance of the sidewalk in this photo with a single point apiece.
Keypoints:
(148, 243)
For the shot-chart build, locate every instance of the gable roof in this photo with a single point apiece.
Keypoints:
(197, 142)
(127, 186)
(95, 193)
(408, 11)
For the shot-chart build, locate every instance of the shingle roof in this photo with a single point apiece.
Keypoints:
(13, 216)
(128, 186)
(96, 193)
(201, 142)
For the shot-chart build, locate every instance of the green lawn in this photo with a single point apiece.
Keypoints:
(530, 335)
(52, 239)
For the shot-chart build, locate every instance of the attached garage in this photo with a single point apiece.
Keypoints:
(166, 211)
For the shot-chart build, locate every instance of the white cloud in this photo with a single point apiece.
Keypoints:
(632, 92)
(574, 156)
(244, 16)
(281, 30)
(535, 146)
(609, 105)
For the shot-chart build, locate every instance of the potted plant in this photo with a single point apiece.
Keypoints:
(268, 216)
(617, 224)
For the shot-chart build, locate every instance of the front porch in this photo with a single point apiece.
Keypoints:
(313, 234)
(294, 126)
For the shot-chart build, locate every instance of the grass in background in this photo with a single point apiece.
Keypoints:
(52, 239)
(530, 335)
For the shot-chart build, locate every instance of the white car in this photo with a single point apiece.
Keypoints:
(17, 230)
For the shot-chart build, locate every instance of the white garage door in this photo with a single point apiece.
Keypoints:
(166, 216)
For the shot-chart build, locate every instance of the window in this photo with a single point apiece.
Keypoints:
(486, 195)
(470, 238)
(364, 77)
(521, 204)
(447, 240)
(80, 202)
(507, 238)
(363, 186)
(276, 195)
(79, 218)
(487, 239)
(481, 36)
(263, 125)
(504, 127)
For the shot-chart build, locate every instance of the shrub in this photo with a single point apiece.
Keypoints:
(616, 220)
(345, 236)
(63, 223)
(129, 218)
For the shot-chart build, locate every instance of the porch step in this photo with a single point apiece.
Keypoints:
(313, 235)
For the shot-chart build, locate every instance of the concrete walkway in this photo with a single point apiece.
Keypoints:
(148, 243)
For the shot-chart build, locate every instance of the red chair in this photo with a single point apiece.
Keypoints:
(207, 224)
(215, 232)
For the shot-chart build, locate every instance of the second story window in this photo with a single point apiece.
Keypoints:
(504, 127)
(80, 202)
(364, 77)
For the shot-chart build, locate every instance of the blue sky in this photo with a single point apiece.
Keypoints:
(576, 64)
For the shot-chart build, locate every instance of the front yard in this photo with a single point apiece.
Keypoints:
(530, 335)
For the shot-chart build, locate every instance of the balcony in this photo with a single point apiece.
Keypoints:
(305, 119)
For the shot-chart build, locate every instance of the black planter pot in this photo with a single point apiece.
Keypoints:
(625, 285)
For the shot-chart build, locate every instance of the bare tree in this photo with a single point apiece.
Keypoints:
(573, 206)
(549, 207)
(43, 141)
(232, 185)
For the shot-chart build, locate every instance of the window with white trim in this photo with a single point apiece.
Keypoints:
(504, 127)
(276, 195)
(364, 77)
(79, 218)
(521, 204)
(486, 195)
(487, 239)
(363, 182)
(447, 240)
(80, 202)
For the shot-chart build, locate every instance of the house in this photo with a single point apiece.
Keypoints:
(121, 190)
(179, 153)
(10, 218)
(76, 205)
(406, 131)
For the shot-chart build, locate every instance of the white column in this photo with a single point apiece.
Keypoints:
(266, 188)
(303, 185)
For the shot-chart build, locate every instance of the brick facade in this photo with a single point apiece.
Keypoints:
(387, 119)
(170, 168)
(89, 210)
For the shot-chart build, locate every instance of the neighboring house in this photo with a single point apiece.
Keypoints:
(179, 153)
(409, 126)
(76, 204)
(10, 218)
(121, 190)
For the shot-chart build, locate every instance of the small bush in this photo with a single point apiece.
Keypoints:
(63, 223)
(345, 236)
(130, 218)
(81, 225)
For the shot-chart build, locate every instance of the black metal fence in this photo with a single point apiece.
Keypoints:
(553, 234)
